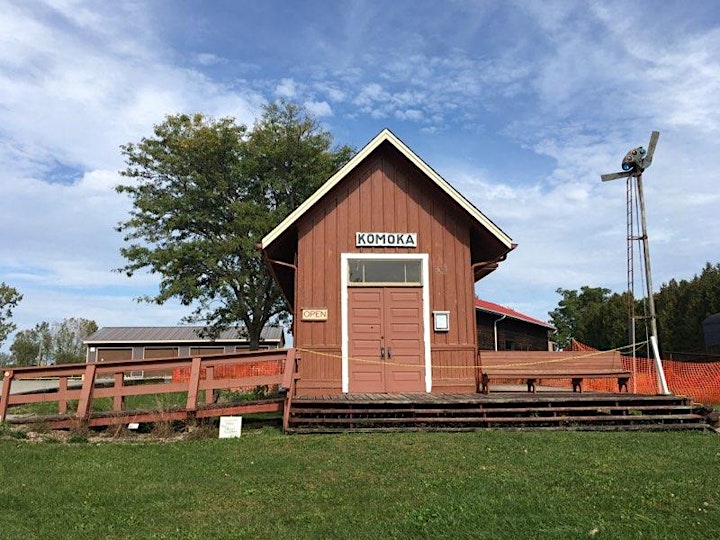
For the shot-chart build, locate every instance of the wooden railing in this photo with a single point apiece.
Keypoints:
(86, 382)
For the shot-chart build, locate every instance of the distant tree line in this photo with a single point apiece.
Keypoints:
(683, 305)
(600, 318)
(51, 343)
(46, 343)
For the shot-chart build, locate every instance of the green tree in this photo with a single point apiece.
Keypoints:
(47, 343)
(9, 299)
(33, 347)
(204, 192)
(682, 306)
(600, 319)
(24, 349)
(5, 359)
(592, 315)
(574, 311)
(68, 337)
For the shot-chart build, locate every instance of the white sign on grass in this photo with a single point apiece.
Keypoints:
(230, 426)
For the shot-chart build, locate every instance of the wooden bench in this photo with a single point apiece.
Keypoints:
(533, 366)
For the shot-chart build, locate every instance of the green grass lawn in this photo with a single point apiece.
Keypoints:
(488, 484)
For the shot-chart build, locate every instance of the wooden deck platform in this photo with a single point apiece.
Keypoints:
(464, 412)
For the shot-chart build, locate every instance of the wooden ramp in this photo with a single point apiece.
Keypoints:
(75, 388)
(467, 412)
(171, 414)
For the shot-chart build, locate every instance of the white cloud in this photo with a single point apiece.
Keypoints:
(82, 102)
(209, 59)
(331, 90)
(319, 108)
(414, 115)
(286, 89)
(370, 94)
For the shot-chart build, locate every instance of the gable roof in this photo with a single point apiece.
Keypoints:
(176, 334)
(387, 136)
(497, 309)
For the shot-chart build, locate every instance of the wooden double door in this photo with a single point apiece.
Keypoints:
(386, 348)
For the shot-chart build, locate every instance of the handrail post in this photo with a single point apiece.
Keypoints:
(62, 395)
(193, 384)
(5, 396)
(291, 364)
(84, 405)
(118, 398)
(289, 369)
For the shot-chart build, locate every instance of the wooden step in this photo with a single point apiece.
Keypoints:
(298, 412)
(469, 412)
(632, 419)
(637, 427)
(517, 402)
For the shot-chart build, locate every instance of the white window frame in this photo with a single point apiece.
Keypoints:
(345, 259)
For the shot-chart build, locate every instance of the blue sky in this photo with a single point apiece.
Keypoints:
(520, 105)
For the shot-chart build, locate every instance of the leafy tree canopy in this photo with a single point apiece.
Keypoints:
(204, 192)
(683, 306)
(576, 313)
(9, 299)
(56, 343)
(596, 317)
(600, 318)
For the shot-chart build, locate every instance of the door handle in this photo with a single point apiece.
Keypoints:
(389, 353)
(382, 353)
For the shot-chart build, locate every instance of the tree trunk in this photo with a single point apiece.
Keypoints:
(254, 332)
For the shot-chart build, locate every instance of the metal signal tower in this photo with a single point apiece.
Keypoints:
(633, 165)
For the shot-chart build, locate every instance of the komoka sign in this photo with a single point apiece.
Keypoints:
(385, 239)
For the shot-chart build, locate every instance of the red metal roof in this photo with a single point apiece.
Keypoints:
(492, 307)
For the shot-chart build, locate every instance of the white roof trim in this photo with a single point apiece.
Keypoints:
(387, 135)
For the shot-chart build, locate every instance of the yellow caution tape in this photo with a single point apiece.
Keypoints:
(523, 364)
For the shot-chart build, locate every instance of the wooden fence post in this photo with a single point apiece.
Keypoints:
(5, 396)
(289, 385)
(85, 403)
(62, 395)
(118, 398)
(193, 385)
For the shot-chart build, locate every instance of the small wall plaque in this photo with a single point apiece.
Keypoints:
(314, 314)
(441, 321)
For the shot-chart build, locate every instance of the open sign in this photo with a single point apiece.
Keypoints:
(314, 314)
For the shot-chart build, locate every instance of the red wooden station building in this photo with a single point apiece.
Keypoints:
(378, 267)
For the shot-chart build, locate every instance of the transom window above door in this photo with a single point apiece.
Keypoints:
(398, 272)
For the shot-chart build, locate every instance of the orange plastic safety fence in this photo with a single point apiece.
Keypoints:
(698, 380)
(234, 371)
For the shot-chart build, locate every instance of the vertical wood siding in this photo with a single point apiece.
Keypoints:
(384, 193)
